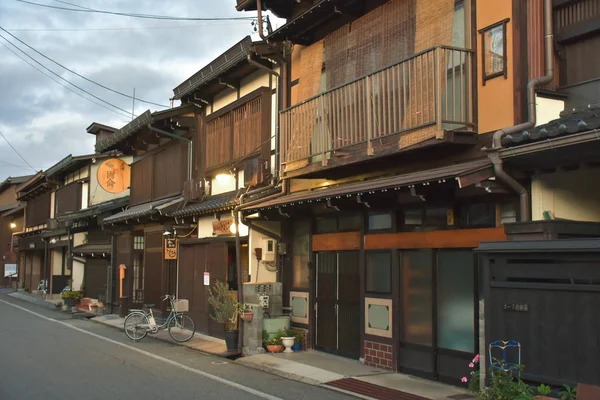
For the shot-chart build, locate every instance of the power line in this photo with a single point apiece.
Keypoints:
(79, 75)
(116, 29)
(66, 80)
(16, 151)
(145, 16)
(60, 83)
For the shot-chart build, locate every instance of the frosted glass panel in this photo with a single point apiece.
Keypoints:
(417, 297)
(456, 300)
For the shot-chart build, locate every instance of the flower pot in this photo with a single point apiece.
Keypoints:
(274, 348)
(288, 342)
(231, 340)
(297, 347)
(247, 316)
(69, 302)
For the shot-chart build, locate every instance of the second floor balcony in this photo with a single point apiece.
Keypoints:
(414, 100)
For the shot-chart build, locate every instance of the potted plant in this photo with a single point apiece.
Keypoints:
(247, 314)
(288, 340)
(70, 298)
(273, 344)
(225, 310)
(297, 342)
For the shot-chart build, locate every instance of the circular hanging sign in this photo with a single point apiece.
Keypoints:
(114, 175)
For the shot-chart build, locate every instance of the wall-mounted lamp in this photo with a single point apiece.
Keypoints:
(13, 225)
(167, 233)
(53, 240)
(243, 229)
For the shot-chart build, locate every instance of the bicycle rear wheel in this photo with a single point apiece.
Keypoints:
(132, 328)
(181, 328)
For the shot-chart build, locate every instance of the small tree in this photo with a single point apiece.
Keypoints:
(225, 308)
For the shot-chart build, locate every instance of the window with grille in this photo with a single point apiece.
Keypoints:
(138, 269)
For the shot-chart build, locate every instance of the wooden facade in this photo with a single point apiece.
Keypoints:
(68, 198)
(38, 210)
(159, 173)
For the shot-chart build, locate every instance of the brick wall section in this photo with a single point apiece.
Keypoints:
(378, 355)
(306, 342)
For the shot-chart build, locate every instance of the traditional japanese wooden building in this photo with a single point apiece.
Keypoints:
(384, 190)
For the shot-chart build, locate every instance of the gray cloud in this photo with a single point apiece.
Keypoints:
(46, 122)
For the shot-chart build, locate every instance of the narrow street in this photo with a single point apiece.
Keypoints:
(46, 354)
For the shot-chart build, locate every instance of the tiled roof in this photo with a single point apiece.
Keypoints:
(139, 211)
(94, 210)
(7, 207)
(219, 202)
(568, 124)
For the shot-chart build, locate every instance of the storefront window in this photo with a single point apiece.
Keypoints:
(379, 272)
(417, 297)
(425, 219)
(326, 225)
(478, 215)
(456, 300)
(301, 254)
(380, 221)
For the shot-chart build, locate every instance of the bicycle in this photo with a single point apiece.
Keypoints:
(181, 327)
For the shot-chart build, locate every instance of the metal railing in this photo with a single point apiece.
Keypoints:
(433, 87)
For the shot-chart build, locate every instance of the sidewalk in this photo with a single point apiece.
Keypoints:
(311, 367)
(200, 342)
(351, 377)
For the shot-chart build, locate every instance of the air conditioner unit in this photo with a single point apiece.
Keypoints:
(193, 190)
(255, 171)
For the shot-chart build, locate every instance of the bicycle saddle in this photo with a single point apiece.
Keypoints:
(149, 305)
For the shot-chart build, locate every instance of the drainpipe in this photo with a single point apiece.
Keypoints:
(46, 256)
(530, 123)
(260, 20)
(111, 269)
(181, 138)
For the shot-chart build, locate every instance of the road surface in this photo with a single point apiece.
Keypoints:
(44, 354)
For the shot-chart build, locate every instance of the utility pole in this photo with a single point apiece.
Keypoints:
(133, 105)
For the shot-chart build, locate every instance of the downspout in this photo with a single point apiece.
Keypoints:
(530, 123)
(260, 20)
(46, 256)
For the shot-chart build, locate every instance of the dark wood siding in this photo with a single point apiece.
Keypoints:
(240, 129)
(169, 171)
(195, 259)
(153, 268)
(159, 174)
(95, 276)
(141, 181)
(123, 256)
(38, 210)
(68, 198)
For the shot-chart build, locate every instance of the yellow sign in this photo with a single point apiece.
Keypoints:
(114, 175)
(171, 249)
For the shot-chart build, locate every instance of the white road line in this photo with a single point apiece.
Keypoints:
(148, 354)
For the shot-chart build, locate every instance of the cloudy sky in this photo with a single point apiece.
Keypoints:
(46, 122)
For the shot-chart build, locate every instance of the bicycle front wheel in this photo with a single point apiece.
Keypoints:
(181, 328)
(133, 330)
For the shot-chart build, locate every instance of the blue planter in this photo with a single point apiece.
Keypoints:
(296, 347)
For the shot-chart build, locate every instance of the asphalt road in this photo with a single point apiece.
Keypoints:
(44, 354)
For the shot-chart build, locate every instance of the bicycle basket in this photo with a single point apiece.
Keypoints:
(181, 305)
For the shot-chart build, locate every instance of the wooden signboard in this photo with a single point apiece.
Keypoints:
(222, 227)
(171, 249)
(114, 175)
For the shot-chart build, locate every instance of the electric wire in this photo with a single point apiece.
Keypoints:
(141, 28)
(79, 75)
(133, 15)
(17, 152)
(66, 80)
(62, 84)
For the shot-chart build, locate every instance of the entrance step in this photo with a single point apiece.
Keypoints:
(371, 390)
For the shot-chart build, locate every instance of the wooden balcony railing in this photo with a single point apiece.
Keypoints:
(433, 87)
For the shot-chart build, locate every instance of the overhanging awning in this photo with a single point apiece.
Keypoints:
(99, 250)
(219, 202)
(143, 210)
(465, 174)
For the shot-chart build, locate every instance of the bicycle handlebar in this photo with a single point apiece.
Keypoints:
(168, 296)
